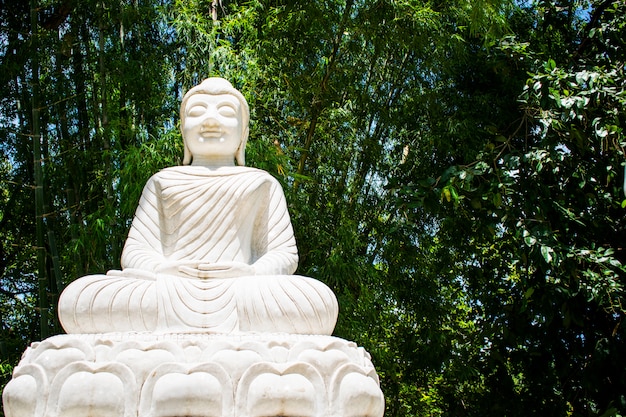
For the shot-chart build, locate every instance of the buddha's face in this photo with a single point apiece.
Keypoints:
(212, 126)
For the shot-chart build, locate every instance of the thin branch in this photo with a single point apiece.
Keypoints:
(593, 23)
(317, 104)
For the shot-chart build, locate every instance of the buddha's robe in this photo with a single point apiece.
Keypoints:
(192, 213)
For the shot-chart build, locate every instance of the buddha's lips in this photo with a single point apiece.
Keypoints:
(209, 134)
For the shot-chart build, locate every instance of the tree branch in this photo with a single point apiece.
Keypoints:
(317, 103)
(593, 23)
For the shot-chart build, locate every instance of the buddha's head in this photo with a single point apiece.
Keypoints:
(214, 119)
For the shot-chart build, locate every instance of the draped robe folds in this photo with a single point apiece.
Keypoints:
(192, 213)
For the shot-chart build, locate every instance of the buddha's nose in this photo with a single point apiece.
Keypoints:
(210, 121)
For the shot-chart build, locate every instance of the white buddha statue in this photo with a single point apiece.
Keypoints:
(211, 248)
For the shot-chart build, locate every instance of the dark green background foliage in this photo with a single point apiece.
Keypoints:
(454, 171)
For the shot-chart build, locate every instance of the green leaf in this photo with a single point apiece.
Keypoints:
(445, 194)
(530, 240)
(454, 194)
(497, 200)
(546, 252)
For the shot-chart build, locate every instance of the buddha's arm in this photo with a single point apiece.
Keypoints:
(143, 248)
(274, 242)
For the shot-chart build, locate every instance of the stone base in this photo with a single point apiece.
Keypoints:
(169, 375)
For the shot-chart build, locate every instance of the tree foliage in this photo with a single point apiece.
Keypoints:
(540, 209)
(454, 171)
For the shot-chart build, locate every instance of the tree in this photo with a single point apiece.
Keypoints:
(94, 108)
(536, 213)
(467, 214)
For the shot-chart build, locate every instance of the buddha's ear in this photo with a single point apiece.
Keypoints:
(240, 156)
(187, 155)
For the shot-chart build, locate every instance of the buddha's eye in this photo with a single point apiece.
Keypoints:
(196, 110)
(227, 110)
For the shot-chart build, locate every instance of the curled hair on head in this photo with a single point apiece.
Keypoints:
(215, 86)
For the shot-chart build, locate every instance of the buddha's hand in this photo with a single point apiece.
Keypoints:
(178, 267)
(218, 270)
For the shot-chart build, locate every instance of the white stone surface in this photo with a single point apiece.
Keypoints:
(206, 317)
(194, 230)
(147, 374)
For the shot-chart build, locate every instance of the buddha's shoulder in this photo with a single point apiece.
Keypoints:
(191, 173)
